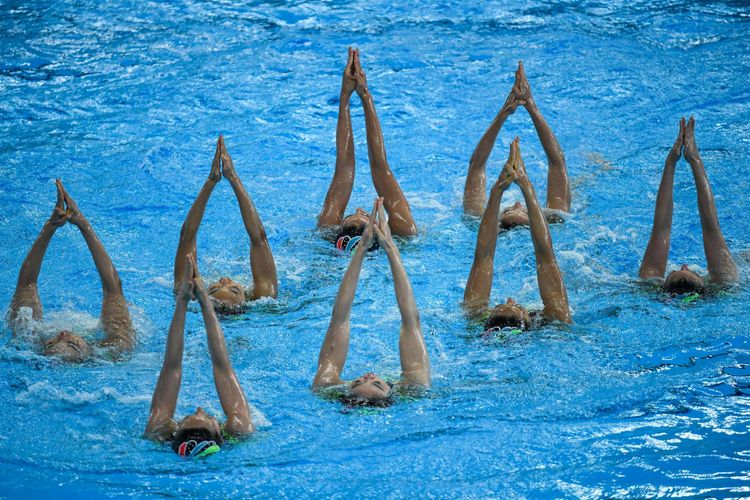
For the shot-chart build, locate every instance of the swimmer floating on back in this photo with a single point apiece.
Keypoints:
(227, 295)
(721, 267)
(558, 187)
(198, 434)
(479, 285)
(352, 226)
(369, 389)
(115, 319)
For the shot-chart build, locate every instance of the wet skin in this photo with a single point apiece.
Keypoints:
(515, 216)
(227, 292)
(683, 281)
(69, 347)
(370, 387)
(510, 314)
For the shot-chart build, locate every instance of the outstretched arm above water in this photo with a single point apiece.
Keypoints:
(721, 266)
(192, 222)
(239, 422)
(262, 265)
(114, 317)
(27, 293)
(474, 189)
(479, 285)
(558, 186)
(336, 343)
(657, 251)
(161, 424)
(551, 286)
(400, 218)
(415, 362)
(340, 189)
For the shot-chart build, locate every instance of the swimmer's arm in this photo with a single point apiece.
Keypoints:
(479, 284)
(27, 294)
(164, 401)
(340, 190)
(654, 262)
(189, 229)
(415, 362)
(474, 189)
(558, 186)
(399, 213)
(335, 346)
(551, 286)
(114, 317)
(262, 265)
(239, 421)
(721, 266)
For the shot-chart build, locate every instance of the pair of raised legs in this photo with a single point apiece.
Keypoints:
(197, 433)
(332, 216)
(114, 318)
(226, 294)
(549, 278)
(721, 266)
(415, 363)
(558, 187)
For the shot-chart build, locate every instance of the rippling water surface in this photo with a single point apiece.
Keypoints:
(124, 100)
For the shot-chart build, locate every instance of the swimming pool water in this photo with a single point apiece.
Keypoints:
(641, 396)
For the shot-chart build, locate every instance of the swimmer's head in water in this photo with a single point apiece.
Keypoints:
(226, 294)
(514, 216)
(510, 314)
(354, 224)
(68, 346)
(683, 281)
(198, 427)
(369, 390)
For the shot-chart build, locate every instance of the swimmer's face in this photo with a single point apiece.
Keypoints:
(227, 292)
(514, 216)
(683, 281)
(200, 420)
(510, 314)
(370, 387)
(358, 219)
(68, 346)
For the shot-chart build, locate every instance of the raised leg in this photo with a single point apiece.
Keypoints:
(415, 362)
(233, 401)
(335, 346)
(262, 265)
(340, 189)
(114, 317)
(479, 285)
(551, 286)
(189, 230)
(657, 251)
(27, 293)
(558, 186)
(721, 266)
(400, 218)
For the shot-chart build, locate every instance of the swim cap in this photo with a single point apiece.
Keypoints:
(194, 449)
(348, 243)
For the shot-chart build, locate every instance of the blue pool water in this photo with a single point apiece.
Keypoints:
(124, 100)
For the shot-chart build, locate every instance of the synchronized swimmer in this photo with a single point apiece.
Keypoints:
(200, 434)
